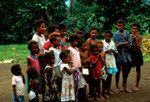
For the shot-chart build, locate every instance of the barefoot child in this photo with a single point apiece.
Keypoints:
(110, 49)
(68, 89)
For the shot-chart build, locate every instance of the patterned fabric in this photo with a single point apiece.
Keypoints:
(109, 57)
(68, 89)
(96, 70)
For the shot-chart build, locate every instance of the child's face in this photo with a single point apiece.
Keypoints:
(134, 30)
(67, 59)
(100, 47)
(85, 47)
(42, 29)
(62, 32)
(107, 37)
(35, 49)
(120, 27)
(95, 51)
(56, 31)
(75, 43)
(57, 42)
(93, 33)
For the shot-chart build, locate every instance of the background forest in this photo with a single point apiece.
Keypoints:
(18, 16)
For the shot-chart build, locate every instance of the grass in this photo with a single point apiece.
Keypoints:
(19, 53)
(16, 52)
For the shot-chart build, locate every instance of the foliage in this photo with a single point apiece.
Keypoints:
(21, 15)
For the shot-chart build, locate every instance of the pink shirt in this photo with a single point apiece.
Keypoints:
(75, 57)
(35, 63)
(46, 45)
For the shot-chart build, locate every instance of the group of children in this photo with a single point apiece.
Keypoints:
(62, 68)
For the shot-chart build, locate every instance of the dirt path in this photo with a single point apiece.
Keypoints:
(142, 96)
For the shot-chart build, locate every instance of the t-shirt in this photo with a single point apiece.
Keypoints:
(20, 87)
(40, 40)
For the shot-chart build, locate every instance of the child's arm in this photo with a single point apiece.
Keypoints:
(15, 94)
(69, 71)
(28, 62)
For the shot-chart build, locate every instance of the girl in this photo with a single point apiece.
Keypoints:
(32, 60)
(51, 89)
(18, 83)
(137, 57)
(68, 91)
(96, 72)
(76, 64)
(110, 49)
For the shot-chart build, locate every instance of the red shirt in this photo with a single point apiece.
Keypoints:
(96, 70)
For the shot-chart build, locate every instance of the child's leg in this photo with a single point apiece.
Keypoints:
(108, 82)
(125, 72)
(118, 76)
(138, 71)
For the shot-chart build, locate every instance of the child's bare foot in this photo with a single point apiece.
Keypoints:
(117, 91)
(136, 89)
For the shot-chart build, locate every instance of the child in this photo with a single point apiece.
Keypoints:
(63, 39)
(137, 57)
(33, 62)
(51, 89)
(76, 64)
(54, 29)
(32, 59)
(55, 48)
(93, 34)
(18, 83)
(68, 89)
(40, 29)
(96, 72)
(123, 41)
(110, 49)
(34, 83)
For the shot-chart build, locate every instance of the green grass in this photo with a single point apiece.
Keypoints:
(16, 52)
(19, 53)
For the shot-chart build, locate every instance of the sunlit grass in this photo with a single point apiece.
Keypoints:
(19, 53)
(16, 52)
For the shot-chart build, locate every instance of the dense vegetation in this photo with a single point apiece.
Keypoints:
(18, 16)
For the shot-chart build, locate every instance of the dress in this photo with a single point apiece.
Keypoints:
(68, 89)
(109, 57)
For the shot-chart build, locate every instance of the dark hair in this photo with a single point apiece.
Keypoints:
(49, 55)
(93, 29)
(108, 31)
(52, 28)
(92, 47)
(136, 25)
(16, 70)
(73, 38)
(62, 26)
(52, 39)
(31, 43)
(121, 21)
(38, 23)
(64, 54)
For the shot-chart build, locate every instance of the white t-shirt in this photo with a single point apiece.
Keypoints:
(57, 52)
(40, 40)
(20, 87)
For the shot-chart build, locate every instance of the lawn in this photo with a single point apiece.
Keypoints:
(18, 53)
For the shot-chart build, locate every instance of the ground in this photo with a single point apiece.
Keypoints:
(142, 96)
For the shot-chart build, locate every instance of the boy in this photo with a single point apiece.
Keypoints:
(40, 29)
